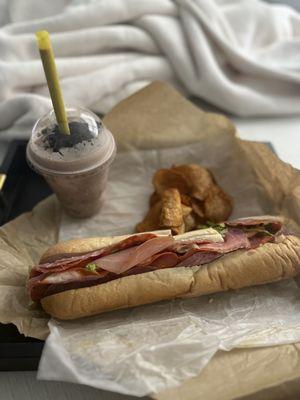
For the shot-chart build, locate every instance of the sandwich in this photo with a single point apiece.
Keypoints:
(79, 278)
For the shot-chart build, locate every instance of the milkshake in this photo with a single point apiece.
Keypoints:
(76, 165)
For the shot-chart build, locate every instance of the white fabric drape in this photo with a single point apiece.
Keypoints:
(240, 55)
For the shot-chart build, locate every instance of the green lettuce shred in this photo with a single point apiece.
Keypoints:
(91, 267)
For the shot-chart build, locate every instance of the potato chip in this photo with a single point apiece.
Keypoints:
(151, 220)
(184, 196)
(171, 210)
(178, 230)
(166, 179)
(186, 210)
(185, 199)
(199, 179)
(197, 207)
(189, 222)
(218, 205)
(154, 198)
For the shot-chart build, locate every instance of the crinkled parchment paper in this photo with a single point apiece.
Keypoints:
(22, 242)
(153, 347)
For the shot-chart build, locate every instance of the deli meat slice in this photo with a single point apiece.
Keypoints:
(82, 260)
(235, 239)
(261, 219)
(163, 260)
(257, 241)
(275, 223)
(41, 285)
(124, 260)
(205, 253)
(199, 258)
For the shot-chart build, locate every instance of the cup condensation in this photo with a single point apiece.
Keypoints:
(75, 166)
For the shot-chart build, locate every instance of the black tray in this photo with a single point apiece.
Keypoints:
(22, 190)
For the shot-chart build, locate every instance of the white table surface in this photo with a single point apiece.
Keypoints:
(284, 134)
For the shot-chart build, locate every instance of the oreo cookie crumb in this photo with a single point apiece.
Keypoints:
(56, 141)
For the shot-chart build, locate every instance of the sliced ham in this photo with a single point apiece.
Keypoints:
(272, 224)
(163, 260)
(63, 276)
(259, 240)
(40, 286)
(183, 248)
(234, 239)
(204, 253)
(82, 260)
(73, 275)
(199, 258)
(122, 261)
(258, 220)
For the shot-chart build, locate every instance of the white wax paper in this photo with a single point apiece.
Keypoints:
(147, 349)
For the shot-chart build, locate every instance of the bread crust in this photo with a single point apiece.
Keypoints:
(268, 263)
(81, 246)
(78, 246)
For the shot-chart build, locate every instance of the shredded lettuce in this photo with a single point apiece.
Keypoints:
(221, 228)
(91, 267)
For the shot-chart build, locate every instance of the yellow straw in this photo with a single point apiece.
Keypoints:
(48, 60)
(2, 180)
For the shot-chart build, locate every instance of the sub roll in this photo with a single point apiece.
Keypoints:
(85, 277)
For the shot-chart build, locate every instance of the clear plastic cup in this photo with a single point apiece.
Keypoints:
(75, 166)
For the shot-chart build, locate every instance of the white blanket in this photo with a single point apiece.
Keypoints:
(240, 55)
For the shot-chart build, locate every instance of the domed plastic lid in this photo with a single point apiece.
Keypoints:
(88, 146)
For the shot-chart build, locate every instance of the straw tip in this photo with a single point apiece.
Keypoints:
(43, 39)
